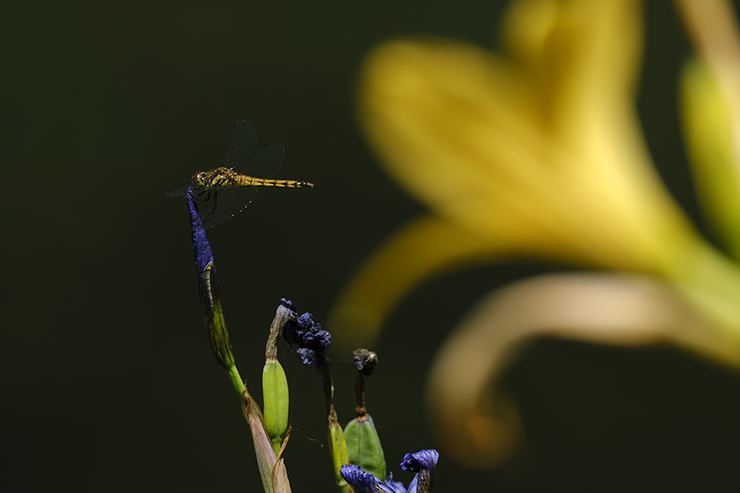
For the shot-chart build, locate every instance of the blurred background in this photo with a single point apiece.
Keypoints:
(108, 381)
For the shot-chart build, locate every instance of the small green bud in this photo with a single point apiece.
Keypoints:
(275, 397)
(363, 446)
(275, 393)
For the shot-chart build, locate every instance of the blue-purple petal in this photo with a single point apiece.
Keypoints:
(305, 321)
(361, 481)
(201, 247)
(393, 486)
(364, 482)
(308, 357)
(316, 340)
(423, 464)
(424, 459)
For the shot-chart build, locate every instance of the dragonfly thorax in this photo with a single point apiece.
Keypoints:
(219, 177)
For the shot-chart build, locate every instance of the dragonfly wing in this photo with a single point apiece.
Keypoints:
(243, 140)
(179, 191)
(266, 161)
(224, 203)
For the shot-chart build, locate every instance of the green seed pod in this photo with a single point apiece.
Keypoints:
(276, 399)
(338, 450)
(363, 446)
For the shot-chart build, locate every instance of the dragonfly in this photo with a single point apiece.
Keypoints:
(226, 191)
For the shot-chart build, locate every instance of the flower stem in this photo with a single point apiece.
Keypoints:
(236, 380)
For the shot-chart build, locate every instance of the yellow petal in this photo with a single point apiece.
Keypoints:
(432, 245)
(417, 251)
(582, 55)
(540, 153)
(455, 126)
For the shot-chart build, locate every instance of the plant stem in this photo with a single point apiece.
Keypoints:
(236, 380)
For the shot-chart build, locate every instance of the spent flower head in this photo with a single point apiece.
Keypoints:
(422, 463)
(305, 333)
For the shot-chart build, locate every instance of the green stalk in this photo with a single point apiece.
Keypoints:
(236, 380)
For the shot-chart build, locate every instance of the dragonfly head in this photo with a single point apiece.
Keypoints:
(198, 179)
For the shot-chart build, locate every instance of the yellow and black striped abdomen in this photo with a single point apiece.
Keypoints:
(251, 181)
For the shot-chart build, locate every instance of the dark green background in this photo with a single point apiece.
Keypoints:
(107, 381)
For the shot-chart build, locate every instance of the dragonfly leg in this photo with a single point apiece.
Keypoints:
(213, 197)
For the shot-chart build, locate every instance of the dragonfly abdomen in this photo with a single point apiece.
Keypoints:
(251, 181)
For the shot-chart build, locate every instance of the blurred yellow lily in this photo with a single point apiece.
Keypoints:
(536, 153)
